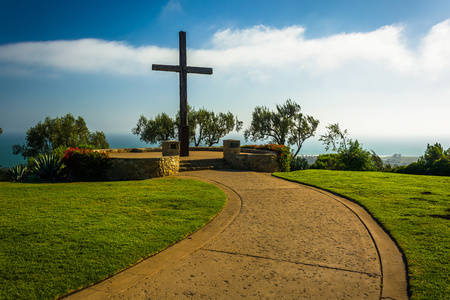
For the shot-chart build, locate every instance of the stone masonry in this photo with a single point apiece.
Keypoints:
(142, 168)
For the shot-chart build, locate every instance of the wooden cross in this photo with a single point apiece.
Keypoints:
(183, 131)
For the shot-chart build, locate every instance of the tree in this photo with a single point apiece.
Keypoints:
(156, 130)
(304, 128)
(433, 154)
(435, 161)
(350, 154)
(205, 127)
(61, 131)
(355, 158)
(335, 139)
(210, 127)
(98, 140)
(1, 131)
(286, 125)
(220, 125)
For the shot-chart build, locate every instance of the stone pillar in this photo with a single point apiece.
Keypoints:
(171, 148)
(231, 148)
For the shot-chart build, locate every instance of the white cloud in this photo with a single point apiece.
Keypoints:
(85, 55)
(257, 52)
(263, 47)
(436, 49)
(172, 7)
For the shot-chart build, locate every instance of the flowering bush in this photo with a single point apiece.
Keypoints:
(283, 154)
(85, 164)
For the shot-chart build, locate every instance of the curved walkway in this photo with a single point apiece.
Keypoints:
(274, 239)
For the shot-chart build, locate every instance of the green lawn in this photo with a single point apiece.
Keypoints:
(415, 210)
(58, 237)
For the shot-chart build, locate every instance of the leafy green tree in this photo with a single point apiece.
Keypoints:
(325, 162)
(286, 125)
(98, 140)
(210, 127)
(350, 154)
(435, 161)
(335, 139)
(198, 120)
(433, 154)
(304, 127)
(355, 158)
(205, 127)
(271, 125)
(156, 130)
(378, 162)
(60, 131)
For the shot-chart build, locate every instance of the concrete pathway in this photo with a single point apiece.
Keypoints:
(274, 240)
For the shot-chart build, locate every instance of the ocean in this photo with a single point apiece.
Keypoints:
(8, 159)
(383, 147)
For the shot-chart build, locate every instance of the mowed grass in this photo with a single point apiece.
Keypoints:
(415, 210)
(59, 237)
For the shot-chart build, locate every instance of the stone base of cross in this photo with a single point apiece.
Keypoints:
(183, 69)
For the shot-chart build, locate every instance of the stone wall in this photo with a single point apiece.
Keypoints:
(142, 168)
(249, 159)
(254, 162)
(145, 168)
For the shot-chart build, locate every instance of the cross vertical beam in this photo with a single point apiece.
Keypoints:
(183, 133)
(183, 69)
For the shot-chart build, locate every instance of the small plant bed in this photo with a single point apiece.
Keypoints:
(414, 209)
(59, 237)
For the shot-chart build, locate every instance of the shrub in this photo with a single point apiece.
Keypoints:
(417, 168)
(355, 158)
(85, 164)
(351, 158)
(378, 162)
(440, 167)
(47, 167)
(298, 163)
(59, 151)
(283, 154)
(325, 162)
(18, 173)
(435, 161)
(4, 174)
(432, 154)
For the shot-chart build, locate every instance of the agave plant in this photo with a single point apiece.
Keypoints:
(47, 167)
(18, 173)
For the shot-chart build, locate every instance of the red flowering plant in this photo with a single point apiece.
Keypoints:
(85, 164)
(283, 154)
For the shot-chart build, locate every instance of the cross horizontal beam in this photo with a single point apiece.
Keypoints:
(169, 68)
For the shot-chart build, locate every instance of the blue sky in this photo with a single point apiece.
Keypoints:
(379, 68)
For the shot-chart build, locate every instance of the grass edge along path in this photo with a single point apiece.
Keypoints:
(413, 209)
(59, 237)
